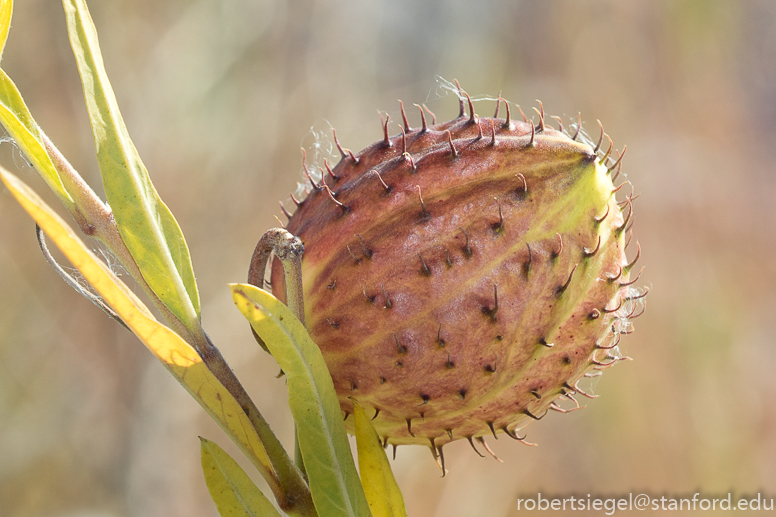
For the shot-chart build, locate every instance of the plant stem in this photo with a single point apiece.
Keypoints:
(284, 478)
(95, 219)
(289, 250)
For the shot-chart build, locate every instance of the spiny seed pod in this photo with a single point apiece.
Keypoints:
(462, 277)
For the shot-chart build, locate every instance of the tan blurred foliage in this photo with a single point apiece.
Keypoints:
(220, 94)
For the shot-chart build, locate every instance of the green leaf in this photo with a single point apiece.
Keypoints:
(6, 8)
(382, 492)
(334, 482)
(230, 487)
(19, 123)
(147, 226)
(180, 358)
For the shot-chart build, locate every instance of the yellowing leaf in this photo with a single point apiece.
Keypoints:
(19, 123)
(175, 354)
(334, 482)
(6, 8)
(230, 487)
(147, 226)
(383, 494)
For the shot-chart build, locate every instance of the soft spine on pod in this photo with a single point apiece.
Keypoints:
(462, 277)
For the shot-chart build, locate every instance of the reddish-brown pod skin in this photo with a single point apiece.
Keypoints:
(460, 277)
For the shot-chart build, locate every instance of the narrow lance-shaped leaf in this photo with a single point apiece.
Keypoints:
(233, 492)
(334, 482)
(175, 354)
(382, 492)
(18, 121)
(147, 226)
(6, 9)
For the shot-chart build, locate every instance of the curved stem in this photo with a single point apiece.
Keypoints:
(75, 284)
(289, 250)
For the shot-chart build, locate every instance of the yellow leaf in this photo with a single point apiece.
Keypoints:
(175, 354)
(382, 493)
(6, 8)
(18, 121)
(230, 487)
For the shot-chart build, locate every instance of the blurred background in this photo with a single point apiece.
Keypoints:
(219, 95)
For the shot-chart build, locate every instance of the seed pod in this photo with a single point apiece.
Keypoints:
(461, 277)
